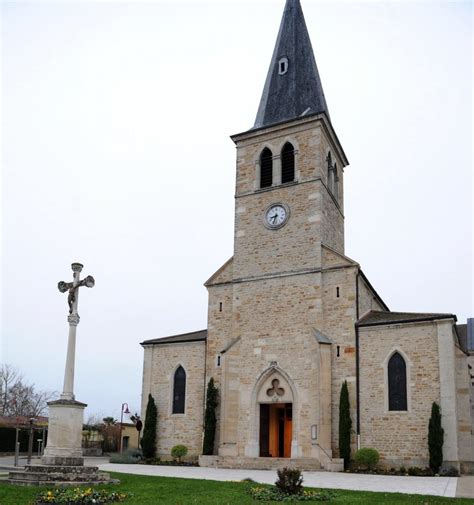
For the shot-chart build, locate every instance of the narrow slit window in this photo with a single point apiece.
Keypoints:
(218, 361)
(179, 390)
(337, 292)
(287, 163)
(220, 306)
(266, 168)
(338, 351)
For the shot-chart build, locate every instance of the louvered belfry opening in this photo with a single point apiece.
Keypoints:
(179, 390)
(287, 163)
(330, 172)
(397, 383)
(266, 168)
(335, 185)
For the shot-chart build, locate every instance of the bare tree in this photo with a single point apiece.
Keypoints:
(8, 376)
(19, 398)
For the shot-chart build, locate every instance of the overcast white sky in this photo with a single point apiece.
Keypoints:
(116, 153)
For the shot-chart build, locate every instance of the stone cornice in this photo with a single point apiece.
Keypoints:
(282, 186)
(284, 274)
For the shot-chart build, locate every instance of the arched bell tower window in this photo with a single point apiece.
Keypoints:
(287, 163)
(179, 390)
(397, 383)
(330, 173)
(335, 188)
(266, 168)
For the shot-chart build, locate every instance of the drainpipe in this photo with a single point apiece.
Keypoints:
(205, 377)
(357, 364)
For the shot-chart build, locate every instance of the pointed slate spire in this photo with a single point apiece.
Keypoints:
(293, 87)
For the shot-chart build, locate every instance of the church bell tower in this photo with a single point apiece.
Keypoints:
(290, 165)
(268, 306)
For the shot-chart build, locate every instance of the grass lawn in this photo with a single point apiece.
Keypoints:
(166, 490)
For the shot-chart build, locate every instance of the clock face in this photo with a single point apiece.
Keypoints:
(276, 216)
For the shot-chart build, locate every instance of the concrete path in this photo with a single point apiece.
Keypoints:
(437, 486)
(465, 488)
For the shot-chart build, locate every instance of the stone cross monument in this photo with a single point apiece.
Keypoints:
(63, 463)
(66, 414)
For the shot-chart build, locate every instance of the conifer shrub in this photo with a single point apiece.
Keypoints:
(149, 431)
(367, 458)
(290, 480)
(345, 425)
(435, 438)
(210, 418)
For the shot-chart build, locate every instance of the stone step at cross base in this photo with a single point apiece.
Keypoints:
(308, 464)
(46, 475)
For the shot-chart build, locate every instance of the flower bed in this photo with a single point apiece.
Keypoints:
(79, 496)
(271, 493)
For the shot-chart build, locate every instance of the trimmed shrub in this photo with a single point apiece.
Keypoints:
(435, 438)
(449, 472)
(290, 481)
(345, 425)
(149, 431)
(130, 457)
(367, 458)
(210, 418)
(178, 452)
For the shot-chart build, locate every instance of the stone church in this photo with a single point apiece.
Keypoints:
(291, 317)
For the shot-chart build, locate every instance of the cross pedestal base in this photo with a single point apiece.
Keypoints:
(64, 445)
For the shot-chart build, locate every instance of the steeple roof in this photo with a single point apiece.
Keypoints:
(293, 87)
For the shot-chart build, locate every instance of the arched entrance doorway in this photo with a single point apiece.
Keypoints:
(276, 430)
(273, 420)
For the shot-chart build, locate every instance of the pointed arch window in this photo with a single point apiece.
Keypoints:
(330, 173)
(287, 163)
(179, 390)
(266, 168)
(335, 187)
(397, 383)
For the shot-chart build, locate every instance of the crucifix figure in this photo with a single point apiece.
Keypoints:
(73, 319)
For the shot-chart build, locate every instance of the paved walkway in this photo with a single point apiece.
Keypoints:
(465, 487)
(438, 486)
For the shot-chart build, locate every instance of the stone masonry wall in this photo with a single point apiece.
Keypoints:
(463, 406)
(219, 337)
(274, 319)
(400, 437)
(339, 315)
(162, 361)
(314, 217)
(367, 299)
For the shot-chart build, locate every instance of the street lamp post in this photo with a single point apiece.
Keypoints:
(30, 440)
(126, 411)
